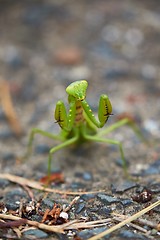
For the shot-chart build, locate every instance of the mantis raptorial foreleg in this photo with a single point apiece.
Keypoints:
(104, 111)
(65, 121)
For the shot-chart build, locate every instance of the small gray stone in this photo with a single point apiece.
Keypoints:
(3, 183)
(87, 196)
(47, 202)
(16, 194)
(36, 233)
(126, 234)
(87, 176)
(122, 187)
(154, 168)
(8, 156)
(155, 188)
(6, 134)
(87, 233)
(77, 185)
(107, 199)
(79, 207)
(126, 202)
(12, 205)
(41, 149)
(104, 211)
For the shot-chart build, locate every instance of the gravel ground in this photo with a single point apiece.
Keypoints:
(46, 45)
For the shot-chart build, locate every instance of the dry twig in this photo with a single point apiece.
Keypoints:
(8, 108)
(42, 226)
(75, 224)
(39, 186)
(143, 222)
(71, 204)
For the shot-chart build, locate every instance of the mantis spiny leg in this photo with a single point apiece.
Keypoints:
(58, 147)
(96, 138)
(120, 123)
(41, 132)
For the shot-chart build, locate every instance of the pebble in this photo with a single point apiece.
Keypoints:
(152, 126)
(41, 149)
(47, 202)
(103, 50)
(107, 199)
(115, 74)
(6, 134)
(78, 185)
(149, 72)
(3, 183)
(87, 233)
(79, 207)
(134, 36)
(8, 156)
(154, 168)
(111, 33)
(126, 202)
(68, 55)
(64, 215)
(126, 234)
(13, 198)
(87, 176)
(35, 217)
(104, 211)
(36, 233)
(119, 162)
(157, 209)
(155, 187)
(11, 55)
(16, 194)
(12, 205)
(87, 197)
(122, 187)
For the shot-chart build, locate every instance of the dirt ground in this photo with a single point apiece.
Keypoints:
(114, 45)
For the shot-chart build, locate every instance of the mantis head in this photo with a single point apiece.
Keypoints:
(78, 89)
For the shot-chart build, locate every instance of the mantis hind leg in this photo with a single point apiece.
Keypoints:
(120, 123)
(96, 138)
(31, 138)
(58, 147)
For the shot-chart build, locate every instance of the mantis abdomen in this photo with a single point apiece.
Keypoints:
(79, 117)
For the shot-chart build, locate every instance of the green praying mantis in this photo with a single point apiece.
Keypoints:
(80, 123)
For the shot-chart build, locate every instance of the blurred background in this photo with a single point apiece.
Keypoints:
(45, 45)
